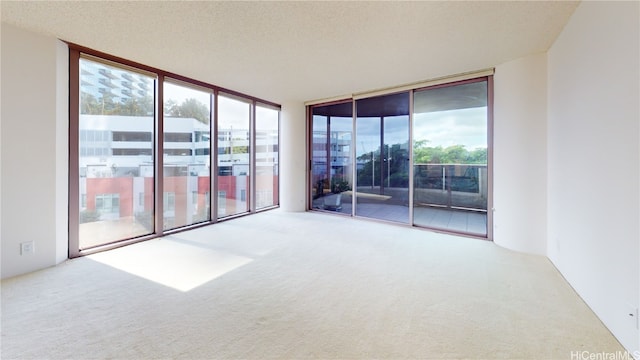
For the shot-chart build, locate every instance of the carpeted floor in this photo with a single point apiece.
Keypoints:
(280, 285)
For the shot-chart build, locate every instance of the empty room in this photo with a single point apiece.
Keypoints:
(320, 180)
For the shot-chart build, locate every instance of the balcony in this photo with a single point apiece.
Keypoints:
(450, 197)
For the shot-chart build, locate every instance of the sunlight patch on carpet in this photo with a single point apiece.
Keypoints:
(177, 265)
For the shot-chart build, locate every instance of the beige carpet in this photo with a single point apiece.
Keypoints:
(282, 285)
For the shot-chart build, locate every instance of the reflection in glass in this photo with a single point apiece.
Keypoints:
(187, 118)
(266, 157)
(382, 156)
(116, 132)
(331, 173)
(450, 158)
(233, 156)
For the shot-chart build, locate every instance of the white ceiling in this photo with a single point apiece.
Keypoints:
(298, 51)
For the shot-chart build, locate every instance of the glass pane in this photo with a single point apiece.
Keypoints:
(116, 154)
(319, 156)
(187, 139)
(332, 166)
(266, 157)
(450, 158)
(382, 155)
(233, 155)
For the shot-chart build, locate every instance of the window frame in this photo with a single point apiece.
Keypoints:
(450, 81)
(76, 52)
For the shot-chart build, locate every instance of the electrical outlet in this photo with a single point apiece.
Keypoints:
(27, 248)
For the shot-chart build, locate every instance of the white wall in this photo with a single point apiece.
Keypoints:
(293, 157)
(34, 150)
(594, 161)
(62, 152)
(520, 154)
(1, 188)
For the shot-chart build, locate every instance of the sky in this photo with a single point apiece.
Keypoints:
(452, 127)
(231, 112)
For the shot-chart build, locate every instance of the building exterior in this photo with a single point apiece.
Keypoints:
(119, 84)
(117, 168)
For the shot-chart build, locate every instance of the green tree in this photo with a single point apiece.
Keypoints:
(108, 106)
(392, 169)
(478, 156)
(89, 104)
(137, 106)
(455, 154)
(190, 108)
(170, 107)
(240, 149)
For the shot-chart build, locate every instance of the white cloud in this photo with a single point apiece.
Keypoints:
(466, 127)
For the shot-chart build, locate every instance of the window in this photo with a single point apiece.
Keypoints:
(132, 136)
(169, 201)
(131, 152)
(382, 147)
(267, 128)
(105, 118)
(177, 152)
(108, 203)
(95, 143)
(420, 156)
(117, 192)
(225, 170)
(331, 181)
(450, 152)
(184, 137)
(187, 112)
(222, 203)
(234, 119)
(202, 136)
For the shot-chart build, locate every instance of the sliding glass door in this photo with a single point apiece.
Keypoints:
(331, 172)
(450, 158)
(418, 157)
(382, 155)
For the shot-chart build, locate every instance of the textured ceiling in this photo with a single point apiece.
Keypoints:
(298, 51)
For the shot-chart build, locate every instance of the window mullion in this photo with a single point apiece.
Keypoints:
(159, 158)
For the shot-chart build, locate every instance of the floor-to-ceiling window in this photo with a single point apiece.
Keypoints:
(267, 156)
(234, 167)
(142, 153)
(450, 152)
(186, 155)
(115, 153)
(419, 156)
